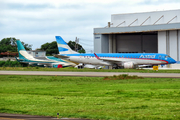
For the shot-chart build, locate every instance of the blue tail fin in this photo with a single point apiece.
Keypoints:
(60, 40)
(63, 46)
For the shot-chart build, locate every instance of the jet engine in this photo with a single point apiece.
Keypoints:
(128, 65)
(59, 66)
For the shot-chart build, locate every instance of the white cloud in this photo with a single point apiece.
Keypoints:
(38, 21)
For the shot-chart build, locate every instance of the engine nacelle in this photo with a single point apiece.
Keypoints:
(59, 66)
(128, 65)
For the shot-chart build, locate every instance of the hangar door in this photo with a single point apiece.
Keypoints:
(137, 43)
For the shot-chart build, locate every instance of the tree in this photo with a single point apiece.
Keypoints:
(51, 48)
(9, 44)
(72, 46)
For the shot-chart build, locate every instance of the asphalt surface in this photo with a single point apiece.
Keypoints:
(4, 116)
(89, 74)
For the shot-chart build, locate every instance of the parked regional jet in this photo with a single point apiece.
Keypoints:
(24, 57)
(125, 60)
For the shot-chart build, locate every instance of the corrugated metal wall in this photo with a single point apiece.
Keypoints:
(137, 43)
(169, 43)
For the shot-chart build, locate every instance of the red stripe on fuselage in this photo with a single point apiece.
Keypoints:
(166, 62)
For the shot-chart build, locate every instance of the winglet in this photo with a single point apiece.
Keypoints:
(17, 59)
(96, 56)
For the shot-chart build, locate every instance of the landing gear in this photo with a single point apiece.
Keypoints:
(80, 66)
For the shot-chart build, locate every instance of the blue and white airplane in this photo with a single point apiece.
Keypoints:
(125, 60)
(25, 57)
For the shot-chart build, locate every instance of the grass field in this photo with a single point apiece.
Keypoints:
(70, 69)
(91, 97)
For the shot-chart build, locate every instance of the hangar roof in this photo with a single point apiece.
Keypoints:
(142, 22)
(134, 29)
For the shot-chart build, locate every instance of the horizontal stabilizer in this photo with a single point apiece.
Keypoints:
(19, 60)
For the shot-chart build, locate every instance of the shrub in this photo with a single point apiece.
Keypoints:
(122, 77)
(2, 63)
(9, 63)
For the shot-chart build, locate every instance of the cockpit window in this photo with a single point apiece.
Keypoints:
(167, 56)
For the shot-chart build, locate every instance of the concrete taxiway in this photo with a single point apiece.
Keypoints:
(89, 74)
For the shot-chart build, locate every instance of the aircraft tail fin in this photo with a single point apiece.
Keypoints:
(23, 54)
(63, 46)
(19, 45)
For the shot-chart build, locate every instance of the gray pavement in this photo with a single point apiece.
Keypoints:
(89, 74)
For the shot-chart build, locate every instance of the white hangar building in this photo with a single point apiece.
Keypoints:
(149, 32)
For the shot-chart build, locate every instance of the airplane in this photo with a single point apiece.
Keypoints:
(117, 60)
(51, 61)
(80, 65)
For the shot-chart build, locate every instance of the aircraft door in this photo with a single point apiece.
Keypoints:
(160, 57)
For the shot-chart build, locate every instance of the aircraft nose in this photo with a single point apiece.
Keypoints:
(173, 61)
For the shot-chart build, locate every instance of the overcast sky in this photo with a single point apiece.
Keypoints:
(36, 22)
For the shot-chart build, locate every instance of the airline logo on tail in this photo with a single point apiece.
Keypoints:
(63, 46)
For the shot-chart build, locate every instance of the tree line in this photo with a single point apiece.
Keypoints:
(9, 44)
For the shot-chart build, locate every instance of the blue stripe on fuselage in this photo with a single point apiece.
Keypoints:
(129, 55)
(150, 56)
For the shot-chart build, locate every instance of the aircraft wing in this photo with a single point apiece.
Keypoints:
(109, 59)
(61, 56)
(113, 60)
(47, 64)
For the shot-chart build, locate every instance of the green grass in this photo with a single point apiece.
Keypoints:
(91, 97)
(70, 69)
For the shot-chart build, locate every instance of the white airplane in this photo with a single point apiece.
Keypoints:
(24, 57)
(125, 60)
